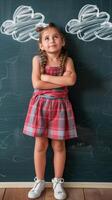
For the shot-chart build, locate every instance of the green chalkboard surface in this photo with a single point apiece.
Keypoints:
(88, 29)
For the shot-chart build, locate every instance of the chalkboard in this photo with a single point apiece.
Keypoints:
(88, 30)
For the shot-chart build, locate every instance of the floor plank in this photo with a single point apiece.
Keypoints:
(72, 193)
(19, 194)
(75, 194)
(92, 194)
(98, 194)
(15, 194)
(49, 194)
(106, 194)
(2, 192)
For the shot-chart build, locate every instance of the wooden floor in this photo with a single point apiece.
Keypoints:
(73, 194)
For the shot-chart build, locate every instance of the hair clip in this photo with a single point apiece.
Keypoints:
(41, 26)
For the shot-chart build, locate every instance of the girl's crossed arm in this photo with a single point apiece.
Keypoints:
(36, 80)
(68, 78)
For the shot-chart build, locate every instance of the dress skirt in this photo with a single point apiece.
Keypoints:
(50, 115)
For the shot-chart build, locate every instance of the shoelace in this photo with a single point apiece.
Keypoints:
(60, 180)
(36, 183)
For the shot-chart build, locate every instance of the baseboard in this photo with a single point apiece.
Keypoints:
(66, 184)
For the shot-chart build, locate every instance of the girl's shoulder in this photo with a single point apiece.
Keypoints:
(36, 58)
(69, 64)
(36, 61)
(69, 60)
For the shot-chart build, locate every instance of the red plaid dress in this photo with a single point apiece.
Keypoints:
(50, 113)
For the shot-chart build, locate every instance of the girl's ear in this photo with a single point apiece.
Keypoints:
(40, 46)
(63, 44)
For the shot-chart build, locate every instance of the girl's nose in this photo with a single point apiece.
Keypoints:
(51, 39)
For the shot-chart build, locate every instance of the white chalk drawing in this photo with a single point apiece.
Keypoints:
(91, 24)
(2, 175)
(23, 26)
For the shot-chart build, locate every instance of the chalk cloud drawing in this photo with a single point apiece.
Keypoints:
(22, 27)
(91, 24)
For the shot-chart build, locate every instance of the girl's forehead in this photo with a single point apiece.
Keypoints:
(50, 31)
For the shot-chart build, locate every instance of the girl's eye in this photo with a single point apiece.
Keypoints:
(46, 38)
(56, 36)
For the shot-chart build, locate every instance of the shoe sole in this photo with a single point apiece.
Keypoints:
(60, 199)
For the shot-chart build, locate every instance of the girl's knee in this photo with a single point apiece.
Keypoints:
(41, 144)
(58, 145)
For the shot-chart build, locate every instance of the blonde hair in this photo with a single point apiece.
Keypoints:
(43, 56)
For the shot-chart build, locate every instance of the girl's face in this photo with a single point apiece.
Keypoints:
(51, 40)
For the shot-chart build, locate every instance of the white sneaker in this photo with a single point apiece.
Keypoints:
(37, 189)
(59, 192)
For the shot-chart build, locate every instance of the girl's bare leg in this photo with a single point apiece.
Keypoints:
(41, 144)
(59, 157)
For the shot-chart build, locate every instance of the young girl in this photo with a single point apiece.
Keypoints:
(50, 113)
